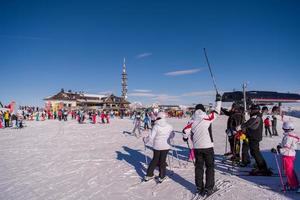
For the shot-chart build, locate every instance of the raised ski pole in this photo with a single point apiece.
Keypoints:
(279, 172)
(211, 74)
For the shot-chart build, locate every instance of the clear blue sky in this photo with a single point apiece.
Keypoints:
(80, 45)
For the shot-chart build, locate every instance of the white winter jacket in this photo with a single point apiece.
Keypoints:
(289, 144)
(161, 135)
(199, 128)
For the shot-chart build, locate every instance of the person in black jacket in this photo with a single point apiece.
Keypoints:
(235, 119)
(253, 129)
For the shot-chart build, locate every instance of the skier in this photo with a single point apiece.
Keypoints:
(94, 116)
(102, 116)
(253, 129)
(235, 119)
(1, 118)
(267, 126)
(6, 119)
(146, 121)
(274, 120)
(287, 149)
(203, 146)
(137, 124)
(160, 137)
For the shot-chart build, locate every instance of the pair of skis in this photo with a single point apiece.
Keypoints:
(220, 187)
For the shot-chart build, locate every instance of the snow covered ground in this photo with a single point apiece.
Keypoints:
(67, 160)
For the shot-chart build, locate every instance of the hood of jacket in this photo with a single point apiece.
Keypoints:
(199, 115)
(161, 122)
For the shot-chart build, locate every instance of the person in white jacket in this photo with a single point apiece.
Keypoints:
(160, 137)
(203, 146)
(287, 149)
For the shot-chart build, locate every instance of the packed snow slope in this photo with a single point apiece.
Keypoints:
(66, 160)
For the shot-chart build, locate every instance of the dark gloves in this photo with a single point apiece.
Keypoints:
(185, 139)
(278, 148)
(218, 97)
(273, 150)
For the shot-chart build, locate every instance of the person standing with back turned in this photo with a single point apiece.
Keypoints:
(203, 146)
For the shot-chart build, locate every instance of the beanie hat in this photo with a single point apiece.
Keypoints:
(200, 107)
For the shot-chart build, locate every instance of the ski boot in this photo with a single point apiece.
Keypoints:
(148, 178)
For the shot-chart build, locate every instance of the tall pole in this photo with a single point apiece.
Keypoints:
(211, 74)
(245, 98)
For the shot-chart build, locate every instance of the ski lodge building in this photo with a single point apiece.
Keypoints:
(73, 100)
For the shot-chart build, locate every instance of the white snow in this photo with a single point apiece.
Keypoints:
(67, 160)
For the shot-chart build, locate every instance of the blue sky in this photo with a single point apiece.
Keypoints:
(80, 45)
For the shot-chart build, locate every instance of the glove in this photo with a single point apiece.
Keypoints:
(278, 148)
(273, 150)
(218, 97)
(185, 139)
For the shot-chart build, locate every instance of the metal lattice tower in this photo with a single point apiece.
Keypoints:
(124, 81)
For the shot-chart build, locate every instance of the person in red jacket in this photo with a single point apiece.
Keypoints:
(267, 126)
(102, 116)
(94, 117)
(107, 117)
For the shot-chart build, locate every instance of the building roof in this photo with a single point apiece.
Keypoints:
(87, 98)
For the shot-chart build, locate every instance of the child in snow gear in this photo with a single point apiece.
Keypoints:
(203, 146)
(235, 119)
(6, 119)
(146, 121)
(267, 126)
(287, 149)
(137, 124)
(253, 129)
(160, 137)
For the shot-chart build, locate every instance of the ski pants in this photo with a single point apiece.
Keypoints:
(138, 127)
(255, 153)
(245, 153)
(6, 122)
(268, 130)
(288, 166)
(159, 159)
(205, 157)
(274, 130)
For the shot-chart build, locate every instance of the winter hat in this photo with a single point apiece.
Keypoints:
(288, 126)
(200, 107)
(161, 115)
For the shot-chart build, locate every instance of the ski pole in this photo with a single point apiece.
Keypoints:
(145, 151)
(226, 144)
(190, 150)
(279, 172)
(211, 74)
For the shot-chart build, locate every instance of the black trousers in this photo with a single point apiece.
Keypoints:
(267, 129)
(6, 122)
(205, 157)
(159, 159)
(245, 153)
(274, 130)
(255, 153)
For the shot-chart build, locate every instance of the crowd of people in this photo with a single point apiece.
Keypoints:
(199, 132)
